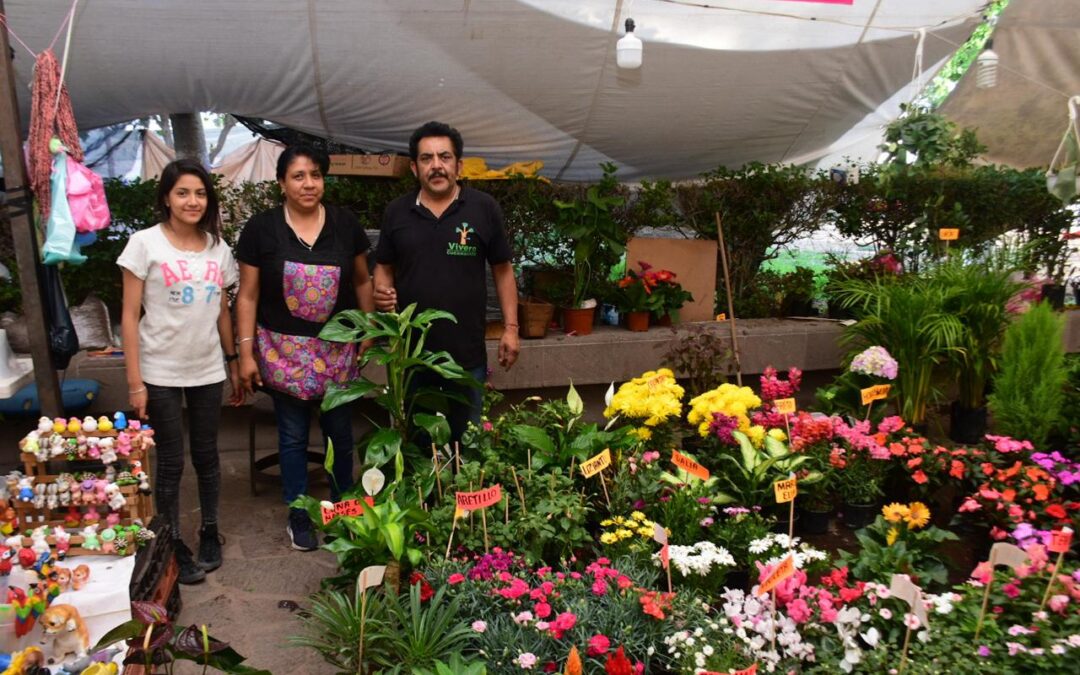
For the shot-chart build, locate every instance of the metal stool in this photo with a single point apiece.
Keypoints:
(262, 411)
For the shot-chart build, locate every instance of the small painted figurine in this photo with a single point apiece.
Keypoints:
(26, 488)
(79, 577)
(115, 497)
(44, 425)
(59, 425)
(119, 421)
(74, 425)
(104, 424)
(6, 562)
(108, 540)
(90, 538)
(63, 541)
(40, 542)
(89, 424)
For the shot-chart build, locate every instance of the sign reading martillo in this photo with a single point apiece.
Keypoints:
(472, 501)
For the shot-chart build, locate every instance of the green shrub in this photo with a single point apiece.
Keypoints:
(1029, 389)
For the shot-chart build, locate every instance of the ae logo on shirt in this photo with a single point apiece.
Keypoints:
(462, 245)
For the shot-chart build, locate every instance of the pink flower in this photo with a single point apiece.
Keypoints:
(639, 668)
(982, 573)
(542, 610)
(1058, 603)
(650, 456)
(598, 644)
(455, 579)
(562, 623)
(599, 587)
(969, 505)
(516, 589)
(885, 613)
(479, 626)
(1011, 590)
(911, 621)
(526, 660)
(487, 426)
(542, 625)
(984, 651)
(523, 618)
(799, 611)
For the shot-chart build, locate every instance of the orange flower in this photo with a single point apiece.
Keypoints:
(919, 477)
(987, 468)
(573, 662)
(654, 603)
(1011, 471)
(1034, 473)
(626, 281)
(1008, 495)
(914, 462)
(1041, 490)
(897, 449)
(956, 469)
(879, 437)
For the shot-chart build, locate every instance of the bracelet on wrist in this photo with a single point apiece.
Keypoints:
(132, 392)
(243, 340)
(229, 358)
(510, 325)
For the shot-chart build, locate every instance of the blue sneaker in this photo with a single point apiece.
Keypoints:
(301, 534)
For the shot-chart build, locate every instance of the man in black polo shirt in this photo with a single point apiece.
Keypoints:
(433, 248)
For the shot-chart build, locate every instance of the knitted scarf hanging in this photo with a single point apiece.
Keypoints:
(50, 115)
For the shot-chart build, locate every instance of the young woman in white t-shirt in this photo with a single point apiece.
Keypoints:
(175, 277)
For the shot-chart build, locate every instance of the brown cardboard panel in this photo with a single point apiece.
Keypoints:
(694, 263)
(391, 166)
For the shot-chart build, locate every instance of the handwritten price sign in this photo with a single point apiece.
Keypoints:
(786, 490)
(1061, 540)
(688, 465)
(349, 507)
(948, 234)
(782, 571)
(595, 465)
(878, 392)
(473, 501)
(785, 406)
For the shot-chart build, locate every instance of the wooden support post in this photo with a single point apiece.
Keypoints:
(19, 207)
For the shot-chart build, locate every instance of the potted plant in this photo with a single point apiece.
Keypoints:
(858, 478)
(637, 296)
(590, 227)
(672, 297)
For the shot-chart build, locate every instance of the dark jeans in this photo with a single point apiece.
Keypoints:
(294, 422)
(459, 414)
(164, 406)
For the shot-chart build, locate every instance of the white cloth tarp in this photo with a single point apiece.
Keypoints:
(252, 162)
(1022, 119)
(739, 81)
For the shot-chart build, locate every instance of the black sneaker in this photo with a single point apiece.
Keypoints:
(190, 573)
(301, 535)
(210, 548)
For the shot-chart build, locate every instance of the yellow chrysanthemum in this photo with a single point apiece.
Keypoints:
(894, 512)
(637, 515)
(890, 538)
(624, 533)
(645, 531)
(607, 522)
(619, 520)
(778, 434)
(654, 398)
(608, 538)
(643, 433)
(728, 399)
(918, 516)
(756, 434)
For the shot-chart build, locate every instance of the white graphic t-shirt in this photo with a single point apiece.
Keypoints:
(179, 345)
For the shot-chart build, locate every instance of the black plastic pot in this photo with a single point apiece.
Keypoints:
(1054, 294)
(858, 516)
(967, 425)
(813, 522)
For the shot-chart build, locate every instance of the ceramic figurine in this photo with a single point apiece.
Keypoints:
(31, 444)
(125, 478)
(119, 421)
(87, 489)
(84, 664)
(134, 425)
(63, 578)
(40, 542)
(56, 445)
(144, 482)
(108, 454)
(63, 541)
(80, 576)
(59, 425)
(104, 423)
(110, 473)
(81, 443)
(14, 542)
(9, 523)
(113, 519)
(93, 447)
(6, 562)
(100, 494)
(89, 423)
(91, 517)
(73, 517)
(71, 448)
(64, 481)
(52, 497)
(26, 488)
(108, 540)
(27, 558)
(123, 444)
(38, 500)
(44, 425)
(65, 628)
(74, 425)
(90, 537)
(76, 495)
(115, 497)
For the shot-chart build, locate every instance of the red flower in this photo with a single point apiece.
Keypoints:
(426, 591)
(919, 477)
(1056, 510)
(617, 663)
(956, 469)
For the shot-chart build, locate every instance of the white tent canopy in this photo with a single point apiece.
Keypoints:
(741, 80)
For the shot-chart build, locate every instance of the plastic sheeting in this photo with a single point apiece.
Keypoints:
(743, 80)
(252, 162)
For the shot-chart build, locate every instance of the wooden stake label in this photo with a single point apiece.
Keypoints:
(785, 406)
(349, 507)
(688, 465)
(371, 576)
(1004, 553)
(948, 234)
(1061, 540)
(878, 392)
(782, 571)
(595, 465)
(472, 501)
(786, 490)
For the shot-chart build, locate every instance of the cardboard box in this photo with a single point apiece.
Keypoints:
(386, 165)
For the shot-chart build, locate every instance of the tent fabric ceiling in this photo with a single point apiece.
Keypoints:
(522, 79)
(1022, 119)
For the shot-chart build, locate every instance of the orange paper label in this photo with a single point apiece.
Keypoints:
(786, 490)
(878, 392)
(782, 571)
(785, 406)
(1061, 540)
(688, 465)
(349, 507)
(948, 234)
(595, 465)
(471, 501)
(665, 556)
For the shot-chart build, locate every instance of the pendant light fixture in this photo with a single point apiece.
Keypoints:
(628, 49)
(987, 65)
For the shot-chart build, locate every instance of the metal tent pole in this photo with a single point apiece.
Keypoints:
(19, 208)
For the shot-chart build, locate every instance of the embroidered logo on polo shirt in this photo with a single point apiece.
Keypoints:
(462, 245)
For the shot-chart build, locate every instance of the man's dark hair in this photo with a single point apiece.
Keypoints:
(317, 157)
(435, 129)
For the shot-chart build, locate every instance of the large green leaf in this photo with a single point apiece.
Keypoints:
(436, 426)
(338, 396)
(384, 444)
(534, 437)
(345, 326)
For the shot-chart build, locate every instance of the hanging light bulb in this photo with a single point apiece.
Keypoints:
(628, 49)
(987, 65)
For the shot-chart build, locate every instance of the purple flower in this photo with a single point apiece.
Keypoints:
(875, 361)
(984, 651)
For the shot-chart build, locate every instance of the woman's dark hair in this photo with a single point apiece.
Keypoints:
(435, 129)
(290, 153)
(211, 220)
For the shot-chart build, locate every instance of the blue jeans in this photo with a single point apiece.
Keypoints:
(459, 414)
(293, 423)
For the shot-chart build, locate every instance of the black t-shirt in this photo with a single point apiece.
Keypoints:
(287, 268)
(439, 263)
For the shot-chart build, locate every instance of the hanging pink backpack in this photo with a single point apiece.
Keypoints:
(86, 198)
